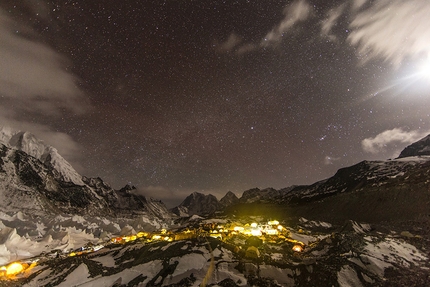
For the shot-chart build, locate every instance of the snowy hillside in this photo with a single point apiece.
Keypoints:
(352, 255)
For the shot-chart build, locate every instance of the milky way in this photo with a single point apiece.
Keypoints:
(211, 96)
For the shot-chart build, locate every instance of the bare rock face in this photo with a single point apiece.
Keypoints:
(200, 204)
(229, 199)
(259, 195)
(419, 148)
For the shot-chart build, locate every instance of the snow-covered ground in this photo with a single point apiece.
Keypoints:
(23, 236)
(355, 257)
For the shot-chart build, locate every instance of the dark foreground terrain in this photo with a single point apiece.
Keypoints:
(351, 254)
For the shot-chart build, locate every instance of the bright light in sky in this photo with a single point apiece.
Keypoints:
(424, 69)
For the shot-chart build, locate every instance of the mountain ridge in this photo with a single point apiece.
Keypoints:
(36, 167)
(35, 178)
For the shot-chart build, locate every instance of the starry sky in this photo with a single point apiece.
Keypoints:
(178, 96)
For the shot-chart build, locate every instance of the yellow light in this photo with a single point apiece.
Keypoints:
(297, 248)
(3, 271)
(254, 225)
(156, 237)
(141, 234)
(14, 268)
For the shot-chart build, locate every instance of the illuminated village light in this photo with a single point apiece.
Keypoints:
(3, 270)
(14, 268)
(273, 222)
(254, 229)
(156, 237)
(297, 248)
(255, 232)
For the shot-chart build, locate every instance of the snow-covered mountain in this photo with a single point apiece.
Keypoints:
(48, 155)
(45, 204)
(35, 178)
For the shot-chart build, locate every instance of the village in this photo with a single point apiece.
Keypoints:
(247, 240)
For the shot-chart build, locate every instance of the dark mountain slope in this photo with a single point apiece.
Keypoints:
(419, 148)
(29, 185)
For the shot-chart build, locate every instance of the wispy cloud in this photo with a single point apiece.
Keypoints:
(330, 21)
(381, 142)
(34, 81)
(328, 160)
(295, 13)
(33, 73)
(229, 44)
(357, 4)
(392, 29)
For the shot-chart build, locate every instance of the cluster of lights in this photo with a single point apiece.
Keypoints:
(271, 228)
(254, 229)
(14, 269)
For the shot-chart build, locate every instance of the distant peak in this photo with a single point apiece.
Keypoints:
(127, 188)
(419, 148)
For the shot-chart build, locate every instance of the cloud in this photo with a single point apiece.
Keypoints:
(331, 20)
(296, 12)
(228, 45)
(35, 84)
(33, 74)
(330, 160)
(357, 4)
(382, 141)
(391, 29)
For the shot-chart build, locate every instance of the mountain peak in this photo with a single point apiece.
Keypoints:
(229, 199)
(419, 148)
(31, 145)
(127, 188)
(199, 203)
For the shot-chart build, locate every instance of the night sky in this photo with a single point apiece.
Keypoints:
(179, 96)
